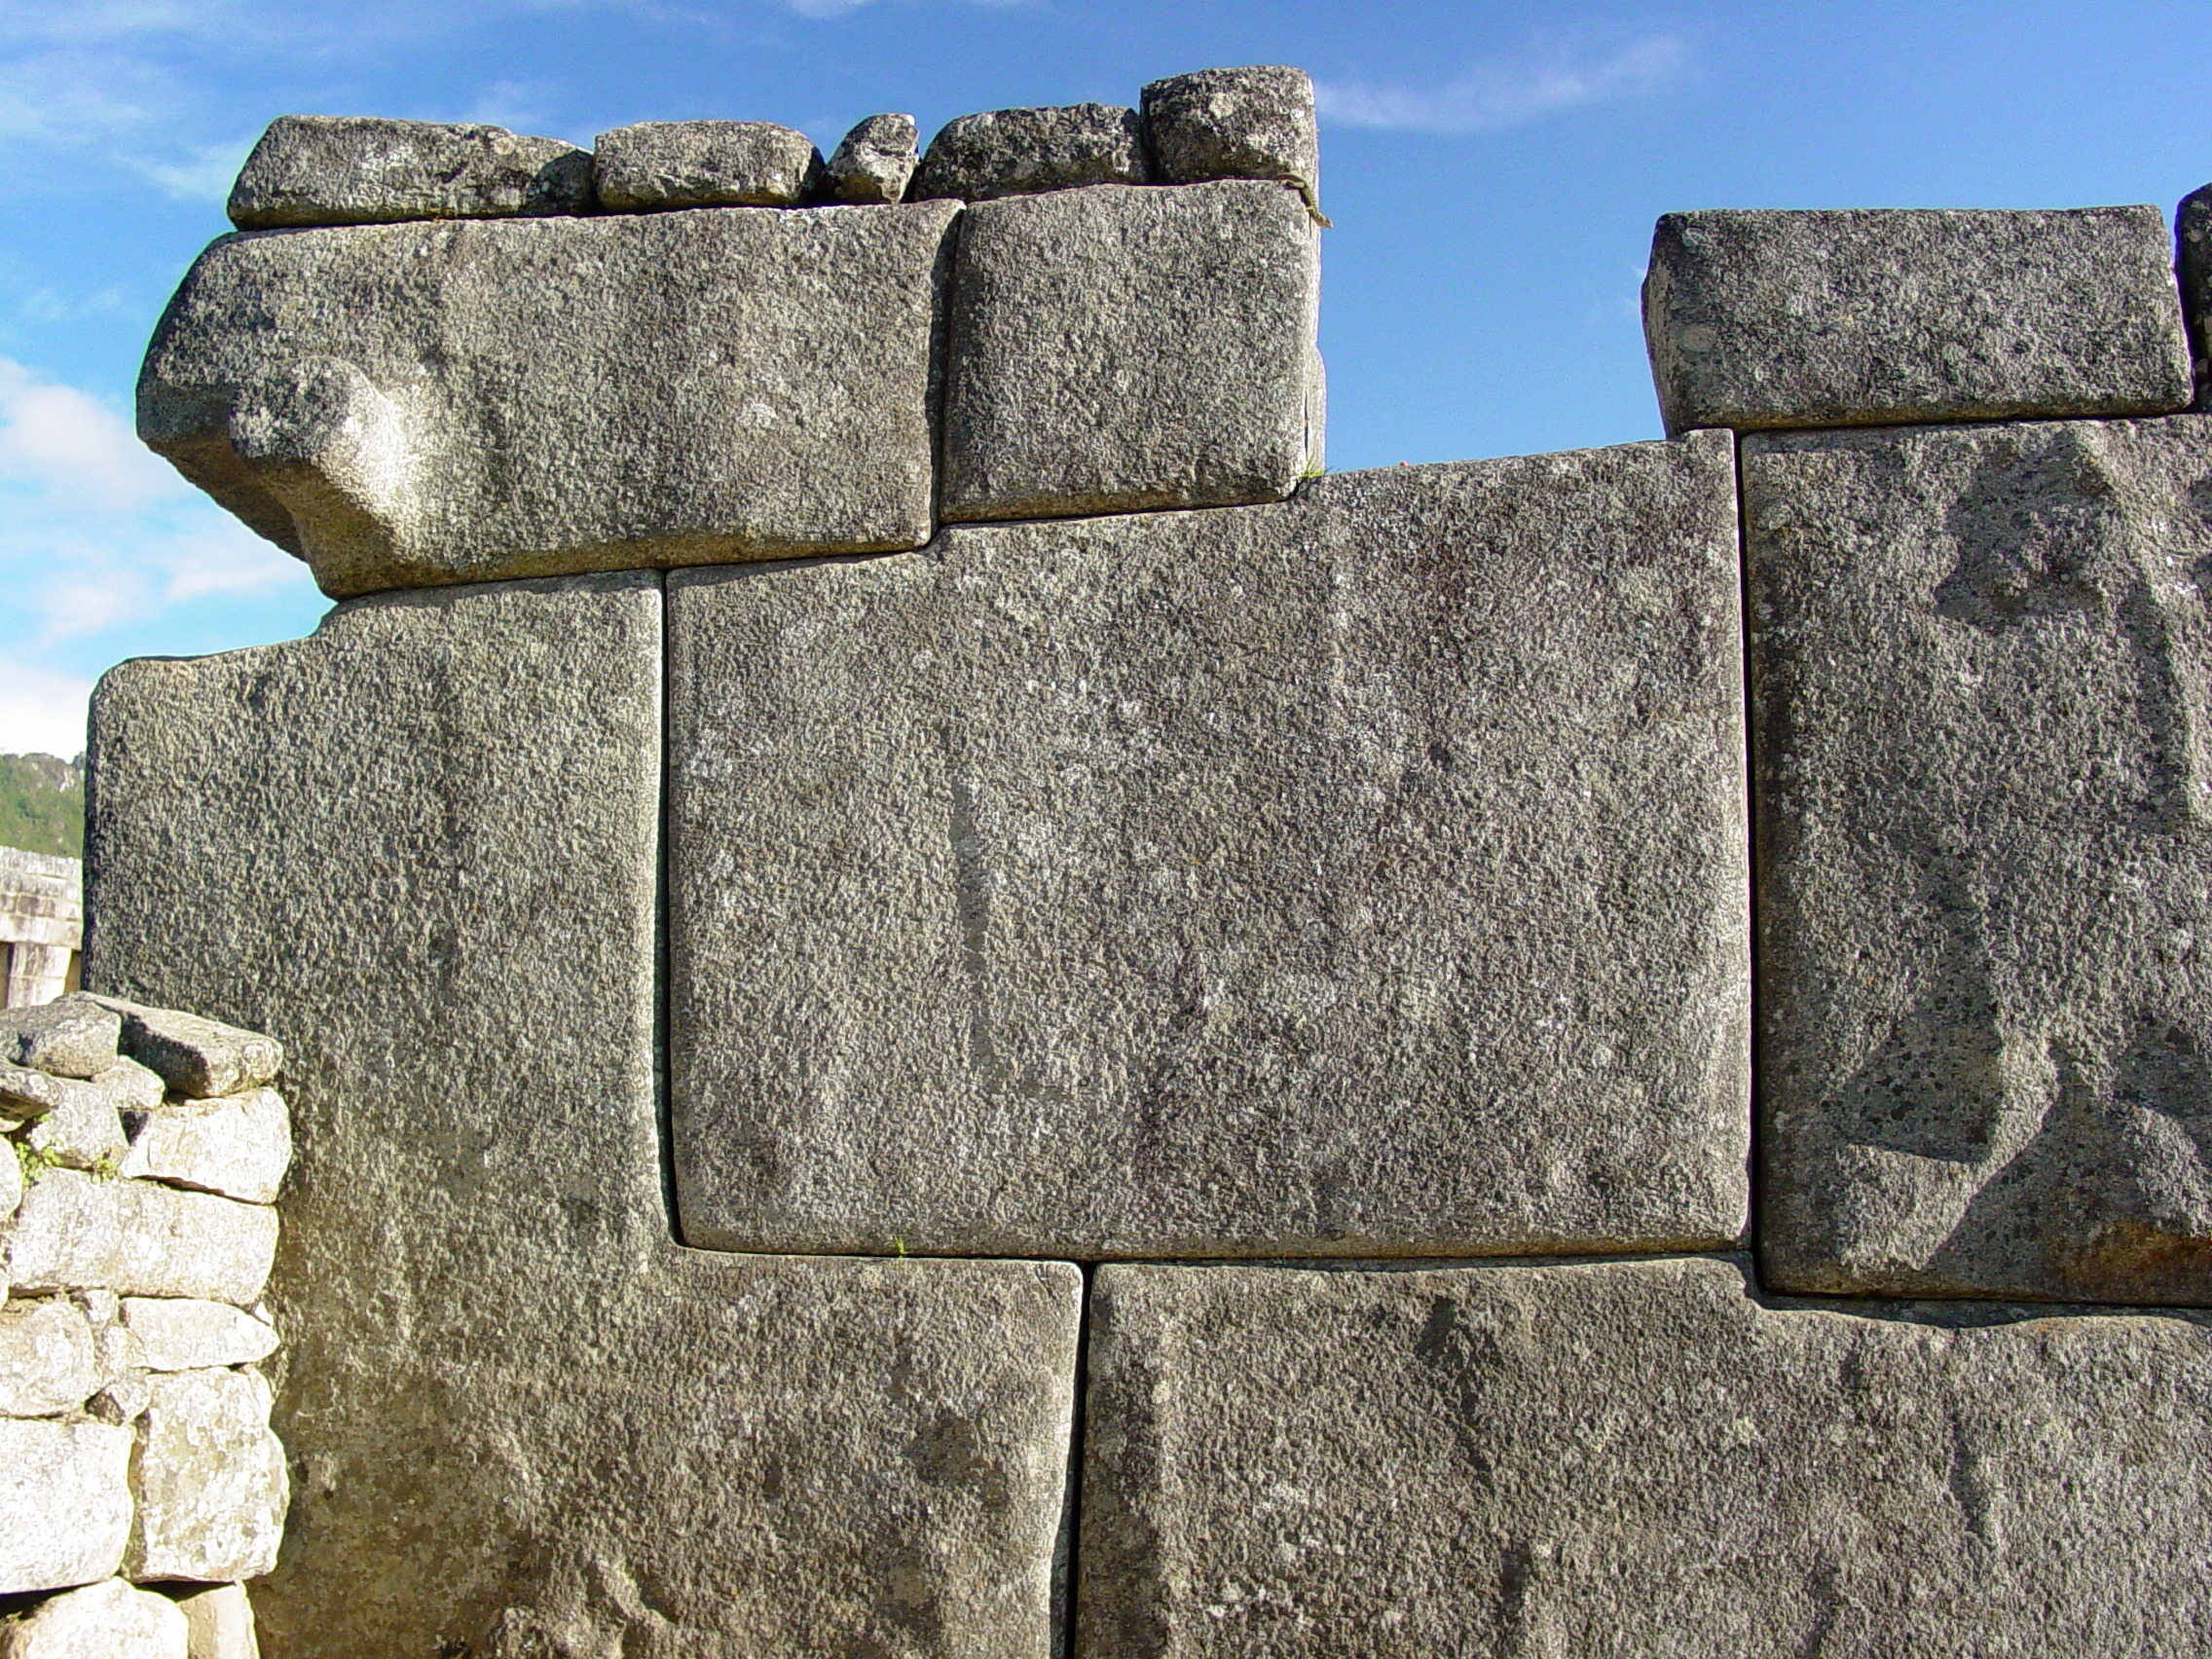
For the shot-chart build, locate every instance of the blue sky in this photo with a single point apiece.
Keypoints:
(1493, 172)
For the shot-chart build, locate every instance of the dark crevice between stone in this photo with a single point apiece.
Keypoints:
(1067, 1549)
(1755, 1181)
(663, 979)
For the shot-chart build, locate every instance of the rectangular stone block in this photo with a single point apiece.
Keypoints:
(594, 1441)
(1119, 347)
(1360, 875)
(408, 405)
(1850, 318)
(1621, 1460)
(209, 1480)
(338, 170)
(1980, 661)
(239, 1146)
(64, 1502)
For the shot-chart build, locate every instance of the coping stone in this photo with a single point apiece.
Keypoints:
(347, 170)
(71, 1036)
(602, 1442)
(1623, 1460)
(1255, 123)
(1359, 875)
(414, 405)
(1888, 316)
(1115, 350)
(875, 160)
(1985, 859)
(658, 164)
(1023, 152)
(201, 1058)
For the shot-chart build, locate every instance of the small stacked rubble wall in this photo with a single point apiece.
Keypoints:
(1588, 1053)
(140, 1484)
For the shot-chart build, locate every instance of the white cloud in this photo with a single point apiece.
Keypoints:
(204, 175)
(41, 712)
(1503, 92)
(74, 448)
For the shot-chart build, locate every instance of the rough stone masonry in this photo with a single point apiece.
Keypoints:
(936, 1002)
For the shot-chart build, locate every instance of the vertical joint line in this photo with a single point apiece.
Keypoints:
(1068, 1563)
(663, 1092)
(1753, 1181)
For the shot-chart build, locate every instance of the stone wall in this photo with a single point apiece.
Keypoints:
(41, 926)
(1593, 1054)
(139, 1481)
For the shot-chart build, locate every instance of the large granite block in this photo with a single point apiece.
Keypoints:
(350, 170)
(420, 849)
(1881, 317)
(1614, 1460)
(1358, 876)
(1980, 661)
(1116, 348)
(408, 405)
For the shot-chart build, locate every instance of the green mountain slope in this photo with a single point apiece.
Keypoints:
(42, 804)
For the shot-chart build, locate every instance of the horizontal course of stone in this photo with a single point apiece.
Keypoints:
(141, 1149)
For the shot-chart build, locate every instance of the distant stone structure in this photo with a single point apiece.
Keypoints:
(940, 1004)
(41, 926)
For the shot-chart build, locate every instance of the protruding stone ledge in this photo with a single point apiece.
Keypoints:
(1887, 317)
(325, 169)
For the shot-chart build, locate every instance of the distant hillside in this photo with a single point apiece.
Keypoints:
(42, 804)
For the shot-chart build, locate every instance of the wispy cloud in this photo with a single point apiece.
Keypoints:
(1502, 93)
(41, 712)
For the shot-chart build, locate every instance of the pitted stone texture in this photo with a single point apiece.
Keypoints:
(1254, 123)
(239, 1147)
(1360, 875)
(72, 1036)
(182, 1334)
(34, 1094)
(412, 405)
(336, 170)
(47, 1361)
(1621, 1460)
(658, 164)
(199, 1057)
(1023, 152)
(108, 1620)
(1979, 659)
(64, 1502)
(220, 1623)
(209, 1480)
(82, 1133)
(598, 1441)
(875, 161)
(77, 1230)
(133, 1088)
(1115, 350)
(1884, 316)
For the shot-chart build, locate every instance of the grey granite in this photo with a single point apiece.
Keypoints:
(1255, 123)
(658, 164)
(875, 161)
(1023, 152)
(324, 170)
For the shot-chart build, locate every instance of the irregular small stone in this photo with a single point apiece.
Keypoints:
(179, 1334)
(1630, 1458)
(1887, 316)
(1985, 868)
(199, 1058)
(84, 1133)
(324, 170)
(67, 1234)
(632, 391)
(1215, 883)
(133, 1088)
(32, 1095)
(72, 1036)
(658, 164)
(178, 1243)
(64, 1502)
(1116, 350)
(239, 1146)
(210, 1480)
(46, 1358)
(220, 1620)
(875, 161)
(1023, 152)
(108, 1620)
(1255, 123)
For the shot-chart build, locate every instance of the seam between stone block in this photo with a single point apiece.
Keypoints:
(664, 1090)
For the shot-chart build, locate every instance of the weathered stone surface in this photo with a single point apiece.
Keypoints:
(239, 1147)
(11, 1181)
(74, 1231)
(1627, 1459)
(182, 1334)
(875, 161)
(72, 1036)
(107, 1620)
(1882, 317)
(1115, 350)
(85, 1132)
(1360, 875)
(194, 1056)
(1023, 152)
(47, 1362)
(597, 1439)
(133, 1087)
(1255, 123)
(419, 404)
(326, 169)
(30, 1094)
(658, 164)
(125, 1382)
(209, 1480)
(64, 1502)
(219, 1621)
(1985, 859)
